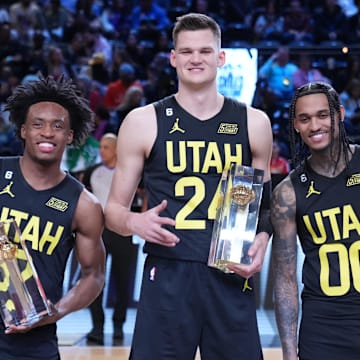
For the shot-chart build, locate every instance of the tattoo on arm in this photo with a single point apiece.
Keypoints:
(284, 258)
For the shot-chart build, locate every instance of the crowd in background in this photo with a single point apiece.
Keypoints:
(116, 51)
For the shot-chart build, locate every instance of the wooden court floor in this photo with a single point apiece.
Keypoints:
(122, 353)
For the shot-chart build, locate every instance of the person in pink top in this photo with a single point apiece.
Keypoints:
(306, 73)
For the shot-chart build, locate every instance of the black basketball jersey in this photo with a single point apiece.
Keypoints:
(328, 224)
(185, 167)
(45, 220)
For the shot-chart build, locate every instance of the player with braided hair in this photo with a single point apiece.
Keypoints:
(317, 203)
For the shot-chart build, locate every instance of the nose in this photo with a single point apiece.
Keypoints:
(314, 123)
(196, 57)
(47, 130)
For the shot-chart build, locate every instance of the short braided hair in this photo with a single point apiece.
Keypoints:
(299, 150)
(62, 91)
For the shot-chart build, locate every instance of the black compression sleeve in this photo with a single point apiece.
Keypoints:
(264, 223)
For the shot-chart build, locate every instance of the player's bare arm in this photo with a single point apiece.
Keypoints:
(135, 140)
(284, 257)
(90, 252)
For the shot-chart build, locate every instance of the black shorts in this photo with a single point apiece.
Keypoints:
(185, 305)
(329, 330)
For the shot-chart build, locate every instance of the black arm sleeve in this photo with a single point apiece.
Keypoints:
(264, 223)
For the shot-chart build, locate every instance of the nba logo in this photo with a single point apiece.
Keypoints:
(152, 273)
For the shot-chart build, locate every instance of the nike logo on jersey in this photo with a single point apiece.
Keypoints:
(225, 128)
(353, 180)
(176, 127)
(7, 190)
(312, 191)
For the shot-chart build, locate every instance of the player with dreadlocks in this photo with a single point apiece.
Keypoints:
(53, 210)
(318, 203)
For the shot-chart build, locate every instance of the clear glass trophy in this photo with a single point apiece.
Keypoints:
(22, 297)
(237, 216)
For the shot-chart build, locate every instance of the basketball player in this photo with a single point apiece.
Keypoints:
(318, 203)
(53, 210)
(183, 143)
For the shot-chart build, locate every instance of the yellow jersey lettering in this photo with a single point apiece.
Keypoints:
(350, 221)
(52, 239)
(31, 232)
(212, 159)
(319, 238)
(230, 158)
(348, 217)
(196, 145)
(170, 157)
(344, 272)
(331, 215)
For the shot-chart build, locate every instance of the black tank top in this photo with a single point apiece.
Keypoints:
(45, 219)
(328, 224)
(185, 167)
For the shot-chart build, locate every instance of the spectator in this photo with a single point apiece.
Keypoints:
(269, 24)
(350, 99)
(26, 17)
(134, 97)
(330, 23)
(306, 73)
(120, 55)
(98, 70)
(148, 18)
(56, 18)
(102, 123)
(96, 42)
(298, 24)
(98, 179)
(116, 90)
(278, 71)
(115, 20)
(279, 165)
(57, 65)
(342, 77)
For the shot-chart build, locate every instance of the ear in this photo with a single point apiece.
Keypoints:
(342, 112)
(22, 132)
(173, 58)
(70, 137)
(221, 58)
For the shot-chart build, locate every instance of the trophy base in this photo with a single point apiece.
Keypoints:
(244, 259)
(29, 320)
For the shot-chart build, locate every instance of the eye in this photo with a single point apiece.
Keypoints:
(324, 115)
(58, 125)
(37, 124)
(303, 119)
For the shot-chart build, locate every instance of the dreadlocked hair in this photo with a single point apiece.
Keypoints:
(62, 91)
(299, 151)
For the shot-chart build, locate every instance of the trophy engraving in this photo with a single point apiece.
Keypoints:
(22, 298)
(242, 195)
(237, 216)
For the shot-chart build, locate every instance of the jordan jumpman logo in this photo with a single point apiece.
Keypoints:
(7, 190)
(312, 190)
(176, 127)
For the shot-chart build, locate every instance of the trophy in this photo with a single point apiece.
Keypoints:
(236, 220)
(22, 298)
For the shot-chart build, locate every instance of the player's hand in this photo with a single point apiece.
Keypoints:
(149, 225)
(22, 329)
(257, 253)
